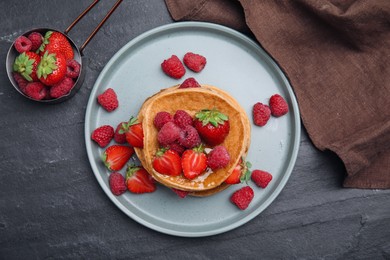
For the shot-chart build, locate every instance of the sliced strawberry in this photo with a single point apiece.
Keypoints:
(116, 156)
(212, 125)
(240, 173)
(138, 180)
(134, 132)
(193, 162)
(167, 162)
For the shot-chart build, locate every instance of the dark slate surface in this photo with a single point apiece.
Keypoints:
(51, 205)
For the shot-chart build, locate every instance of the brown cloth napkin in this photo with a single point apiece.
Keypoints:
(336, 55)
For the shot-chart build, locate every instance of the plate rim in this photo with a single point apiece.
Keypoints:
(295, 143)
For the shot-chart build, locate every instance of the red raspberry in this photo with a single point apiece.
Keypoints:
(189, 137)
(62, 88)
(242, 197)
(218, 157)
(194, 62)
(182, 119)
(173, 67)
(117, 183)
(261, 178)
(108, 100)
(161, 119)
(177, 148)
(21, 81)
(22, 44)
(190, 83)
(36, 90)
(118, 137)
(278, 105)
(261, 114)
(181, 193)
(168, 134)
(36, 40)
(72, 69)
(103, 135)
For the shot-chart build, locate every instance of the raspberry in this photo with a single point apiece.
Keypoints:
(36, 40)
(62, 88)
(168, 134)
(120, 138)
(21, 81)
(108, 100)
(194, 62)
(177, 148)
(261, 178)
(242, 197)
(103, 135)
(117, 183)
(189, 137)
(72, 69)
(36, 90)
(190, 83)
(22, 44)
(181, 193)
(278, 105)
(161, 119)
(261, 114)
(182, 119)
(173, 67)
(218, 157)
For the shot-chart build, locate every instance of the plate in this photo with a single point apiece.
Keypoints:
(235, 64)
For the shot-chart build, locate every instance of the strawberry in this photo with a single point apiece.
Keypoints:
(173, 67)
(261, 114)
(261, 178)
(108, 100)
(138, 180)
(278, 105)
(167, 162)
(212, 126)
(193, 162)
(26, 64)
(103, 135)
(56, 42)
(240, 173)
(117, 183)
(51, 68)
(116, 156)
(194, 62)
(242, 197)
(134, 132)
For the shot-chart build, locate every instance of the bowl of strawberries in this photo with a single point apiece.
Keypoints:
(44, 65)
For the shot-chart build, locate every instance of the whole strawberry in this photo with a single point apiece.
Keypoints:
(138, 180)
(108, 100)
(261, 114)
(117, 183)
(173, 67)
(212, 126)
(51, 68)
(194, 62)
(261, 178)
(56, 42)
(278, 105)
(103, 135)
(242, 197)
(116, 156)
(26, 64)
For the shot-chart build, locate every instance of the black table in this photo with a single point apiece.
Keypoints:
(51, 205)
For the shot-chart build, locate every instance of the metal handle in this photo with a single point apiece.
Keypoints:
(97, 27)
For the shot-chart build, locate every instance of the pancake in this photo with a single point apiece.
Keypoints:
(193, 100)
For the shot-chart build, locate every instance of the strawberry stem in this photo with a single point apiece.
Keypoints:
(212, 116)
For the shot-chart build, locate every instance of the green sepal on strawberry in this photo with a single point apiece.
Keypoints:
(52, 68)
(241, 173)
(115, 157)
(212, 126)
(194, 162)
(56, 42)
(138, 180)
(167, 162)
(26, 64)
(134, 132)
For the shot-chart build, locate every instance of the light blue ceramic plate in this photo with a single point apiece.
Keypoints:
(236, 64)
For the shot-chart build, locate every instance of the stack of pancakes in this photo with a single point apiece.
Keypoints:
(192, 100)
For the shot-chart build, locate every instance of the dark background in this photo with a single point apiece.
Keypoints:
(51, 205)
